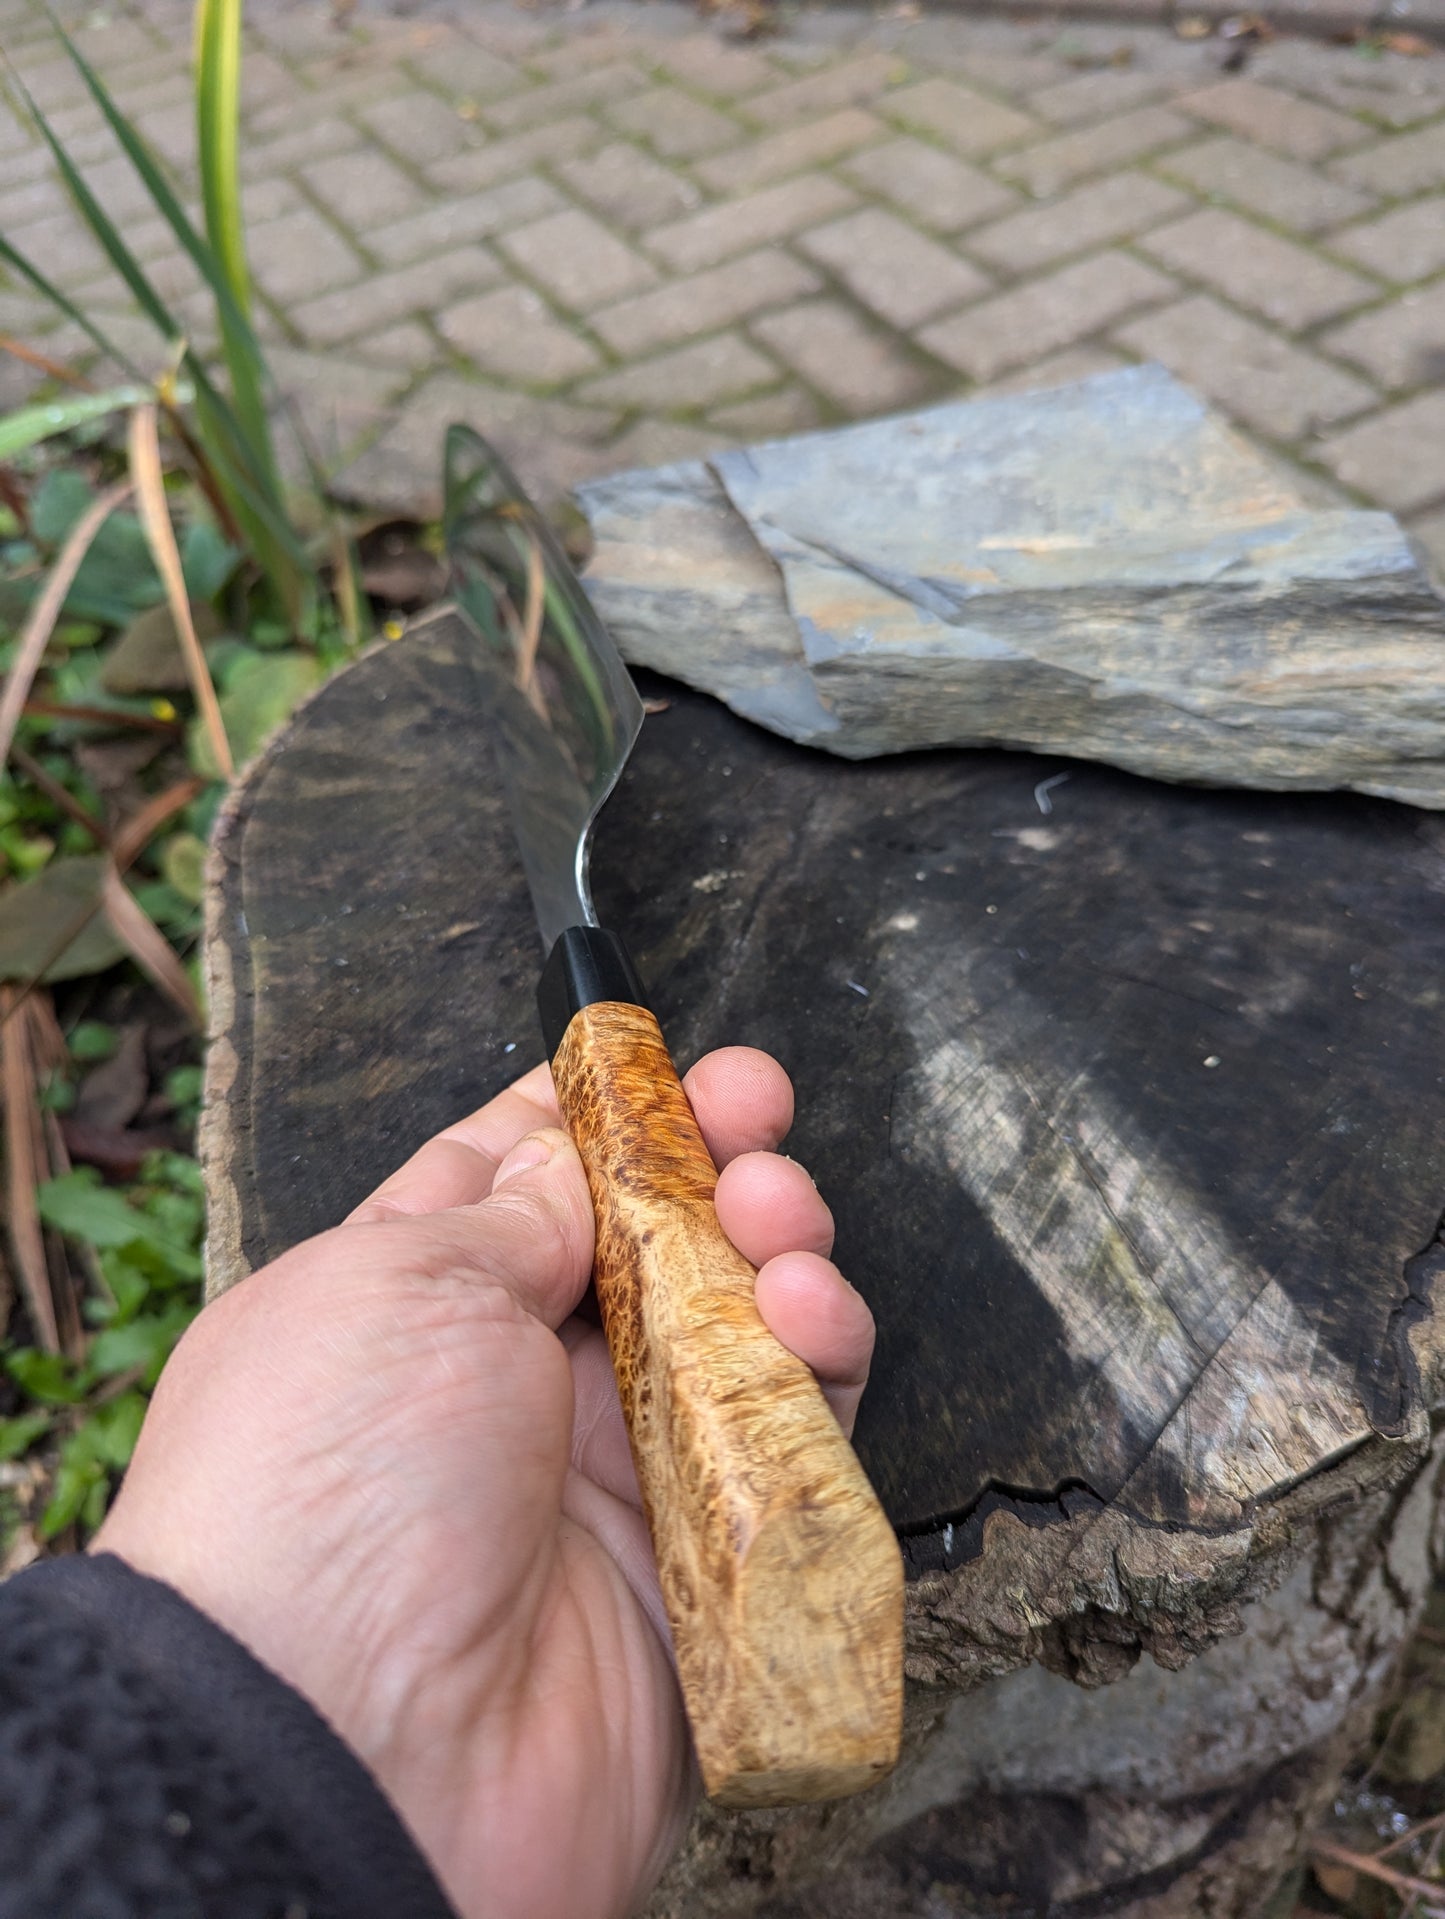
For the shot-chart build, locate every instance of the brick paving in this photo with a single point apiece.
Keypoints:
(610, 236)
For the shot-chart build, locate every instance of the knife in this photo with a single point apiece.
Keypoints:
(781, 1577)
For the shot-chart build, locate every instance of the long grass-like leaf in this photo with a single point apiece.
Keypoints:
(150, 487)
(13, 257)
(46, 610)
(32, 424)
(244, 431)
(245, 361)
(218, 108)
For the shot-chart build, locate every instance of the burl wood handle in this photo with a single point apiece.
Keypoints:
(781, 1576)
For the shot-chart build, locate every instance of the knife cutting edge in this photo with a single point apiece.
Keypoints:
(781, 1577)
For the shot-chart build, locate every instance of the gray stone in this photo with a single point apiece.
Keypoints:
(1102, 570)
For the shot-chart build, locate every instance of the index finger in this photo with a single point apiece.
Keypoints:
(742, 1097)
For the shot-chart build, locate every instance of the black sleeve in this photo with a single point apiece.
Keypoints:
(151, 1768)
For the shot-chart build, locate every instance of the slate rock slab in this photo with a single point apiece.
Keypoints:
(1103, 570)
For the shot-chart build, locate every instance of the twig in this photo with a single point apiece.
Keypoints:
(22, 1173)
(33, 357)
(46, 611)
(141, 828)
(62, 796)
(1372, 1868)
(145, 467)
(147, 944)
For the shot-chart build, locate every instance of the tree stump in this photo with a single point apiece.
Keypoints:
(1127, 1099)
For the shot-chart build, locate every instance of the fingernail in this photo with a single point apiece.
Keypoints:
(527, 1153)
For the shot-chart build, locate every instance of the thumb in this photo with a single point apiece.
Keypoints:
(534, 1232)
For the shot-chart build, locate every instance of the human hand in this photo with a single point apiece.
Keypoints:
(393, 1464)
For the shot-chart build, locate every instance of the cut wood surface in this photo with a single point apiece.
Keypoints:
(1127, 1099)
(781, 1576)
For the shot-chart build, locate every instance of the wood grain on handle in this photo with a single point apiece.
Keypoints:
(781, 1576)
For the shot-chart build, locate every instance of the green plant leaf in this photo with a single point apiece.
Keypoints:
(92, 1041)
(36, 916)
(48, 1377)
(79, 1204)
(183, 863)
(147, 657)
(101, 1446)
(146, 1342)
(32, 424)
(207, 561)
(19, 1434)
(261, 691)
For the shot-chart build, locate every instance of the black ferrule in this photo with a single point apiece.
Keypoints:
(585, 967)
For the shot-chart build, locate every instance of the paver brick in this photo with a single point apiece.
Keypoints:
(673, 125)
(465, 71)
(1058, 369)
(318, 139)
(1054, 164)
(1044, 315)
(700, 375)
(61, 249)
(1407, 244)
(1401, 344)
(262, 199)
(931, 187)
(499, 159)
(300, 255)
(1256, 268)
(849, 84)
(1396, 456)
(1114, 208)
(1392, 93)
(892, 269)
(584, 50)
(1407, 163)
(408, 346)
(771, 415)
(532, 106)
(577, 260)
(834, 351)
(772, 213)
(170, 131)
(510, 332)
(454, 221)
(1300, 197)
(549, 443)
(1282, 389)
(1273, 118)
(716, 298)
(968, 122)
(363, 189)
(1091, 96)
(703, 62)
(811, 145)
(383, 298)
(419, 127)
(626, 186)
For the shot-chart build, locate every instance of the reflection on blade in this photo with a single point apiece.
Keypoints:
(566, 712)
